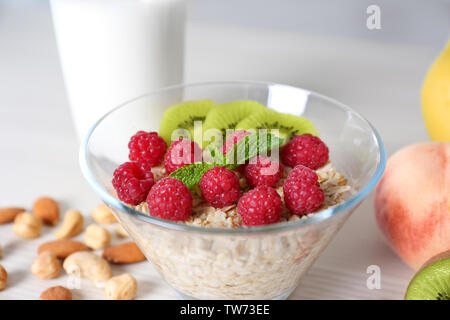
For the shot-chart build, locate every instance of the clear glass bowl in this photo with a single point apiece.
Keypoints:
(264, 262)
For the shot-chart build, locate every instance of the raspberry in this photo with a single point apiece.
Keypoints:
(303, 173)
(181, 153)
(233, 139)
(259, 206)
(306, 150)
(147, 147)
(220, 187)
(262, 171)
(302, 192)
(241, 169)
(170, 199)
(133, 181)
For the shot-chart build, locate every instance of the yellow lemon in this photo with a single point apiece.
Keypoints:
(436, 98)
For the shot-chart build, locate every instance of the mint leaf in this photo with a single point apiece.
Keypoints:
(251, 146)
(191, 174)
(245, 149)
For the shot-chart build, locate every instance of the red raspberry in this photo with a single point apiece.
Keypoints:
(170, 199)
(305, 149)
(233, 139)
(181, 153)
(259, 206)
(147, 147)
(302, 192)
(262, 171)
(241, 168)
(133, 181)
(220, 187)
(303, 173)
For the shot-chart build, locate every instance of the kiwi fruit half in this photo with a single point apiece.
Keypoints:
(431, 283)
(288, 125)
(182, 116)
(226, 116)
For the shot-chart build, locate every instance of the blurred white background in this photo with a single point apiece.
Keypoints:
(405, 21)
(322, 45)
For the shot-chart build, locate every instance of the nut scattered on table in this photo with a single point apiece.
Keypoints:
(46, 266)
(72, 225)
(97, 237)
(27, 225)
(3, 277)
(56, 293)
(62, 248)
(8, 215)
(47, 209)
(121, 232)
(122, 287)
(123, 253)
(88, 265)
(102, 214)
(1, 252)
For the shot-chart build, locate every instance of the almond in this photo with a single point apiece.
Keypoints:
(3, 277)
(56, 293)
(123, 253)
(62, 248)
(8, 214)
(47, 209)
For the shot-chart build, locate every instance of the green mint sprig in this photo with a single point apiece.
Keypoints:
(251, 146)
(191, 174)
(246, 148)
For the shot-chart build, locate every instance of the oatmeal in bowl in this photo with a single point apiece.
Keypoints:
(232, 198)
(334, 185)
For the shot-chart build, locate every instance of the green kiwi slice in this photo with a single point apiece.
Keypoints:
(288, 125)
(182, 116)
(431, 283)
(226, 116)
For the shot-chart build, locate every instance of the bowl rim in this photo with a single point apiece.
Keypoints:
(282, 226)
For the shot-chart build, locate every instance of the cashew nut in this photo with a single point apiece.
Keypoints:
(72, 225)
(88, 265)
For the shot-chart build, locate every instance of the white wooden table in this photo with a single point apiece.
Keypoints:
(39, 151)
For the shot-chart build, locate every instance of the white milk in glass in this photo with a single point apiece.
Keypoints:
(114, 50)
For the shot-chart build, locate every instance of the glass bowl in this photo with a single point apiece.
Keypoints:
(263, 262)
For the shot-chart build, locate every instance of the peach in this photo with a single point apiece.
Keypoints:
(412, 202)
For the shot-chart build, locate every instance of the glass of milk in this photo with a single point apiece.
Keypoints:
(115, 50)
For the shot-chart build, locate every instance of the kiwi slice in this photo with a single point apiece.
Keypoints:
(182, 116)
(431, 282)
(288, 125)
(226, 116)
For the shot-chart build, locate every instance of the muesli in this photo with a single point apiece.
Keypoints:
(249, 166)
